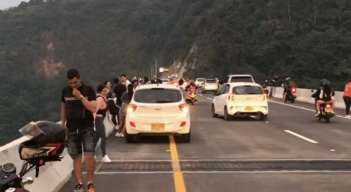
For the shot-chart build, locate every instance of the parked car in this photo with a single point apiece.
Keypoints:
(240, 78)
(200, 82)
(158, 110)
(240, 99)
(211, 85)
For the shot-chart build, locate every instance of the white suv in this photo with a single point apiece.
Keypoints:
(243, 78)
(211, 85)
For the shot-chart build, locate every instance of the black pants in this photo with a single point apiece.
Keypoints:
(347, 101)
(114, 110)
(101, 133)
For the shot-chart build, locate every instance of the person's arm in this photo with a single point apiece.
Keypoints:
(89, 103)
(99, 103)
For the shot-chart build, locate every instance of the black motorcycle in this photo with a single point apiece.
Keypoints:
(46, 144)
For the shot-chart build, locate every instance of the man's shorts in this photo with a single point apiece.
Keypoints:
(81, 141)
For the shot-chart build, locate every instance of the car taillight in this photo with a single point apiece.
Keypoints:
(328, 106)
(183, 107)
(132, 108)
(183, 123)
(132, 124)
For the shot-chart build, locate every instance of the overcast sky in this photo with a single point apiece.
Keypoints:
(4, 4)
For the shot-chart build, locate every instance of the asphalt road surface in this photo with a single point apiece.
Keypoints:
(290, 151)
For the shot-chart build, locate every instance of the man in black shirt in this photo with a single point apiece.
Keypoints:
(78, 103)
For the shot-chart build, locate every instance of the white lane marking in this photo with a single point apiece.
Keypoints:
(303, 108)
(301, 137)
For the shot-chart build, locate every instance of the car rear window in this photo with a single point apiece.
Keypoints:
(211, 81)
(241, 79)
(157, 95)
(247, 90)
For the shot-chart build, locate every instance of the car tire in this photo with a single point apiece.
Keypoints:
(226, 116)
(130, 138)
(213, 111)
(184, 138)
(263, 117)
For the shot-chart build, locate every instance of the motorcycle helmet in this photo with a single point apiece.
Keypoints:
(324, 82)
(46, 143)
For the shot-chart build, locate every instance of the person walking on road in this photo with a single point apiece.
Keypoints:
(126, 98)
(101, 109)
(119, 90)
(111, 104)
(124, 80)
(78, 103)
(347, 99)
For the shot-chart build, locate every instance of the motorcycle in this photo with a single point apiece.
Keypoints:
(46, 145)
(326, 111)
(191, 98)
(290, 95)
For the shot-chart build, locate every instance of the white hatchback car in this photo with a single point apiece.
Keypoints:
(211, 85)
(158, 109)
(200, 82)
(238, 99)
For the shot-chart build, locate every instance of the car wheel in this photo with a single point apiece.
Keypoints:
(184, 138)
(130, 138)
(213, 111)
(226, 117)
(263, 117)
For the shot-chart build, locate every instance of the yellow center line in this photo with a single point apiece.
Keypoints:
(177, 172)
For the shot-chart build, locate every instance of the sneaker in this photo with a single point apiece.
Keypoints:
(119, 135)
(106, 159)
(91, 187)
(78, 188)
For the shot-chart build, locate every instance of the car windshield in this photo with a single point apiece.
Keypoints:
(157, 95)
(247, 90)
(240, 79)
(211, 81)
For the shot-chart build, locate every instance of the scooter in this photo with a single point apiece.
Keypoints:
(326, 111)
(46, 145)
(191, 97)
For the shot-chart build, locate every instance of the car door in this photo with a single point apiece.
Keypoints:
(216, 99)
(222, 99)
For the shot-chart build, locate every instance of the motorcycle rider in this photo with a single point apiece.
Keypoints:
(288, 85)
(191, 89)
(324, 94)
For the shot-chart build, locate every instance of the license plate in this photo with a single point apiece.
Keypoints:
(248, 109)
(158, 127)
